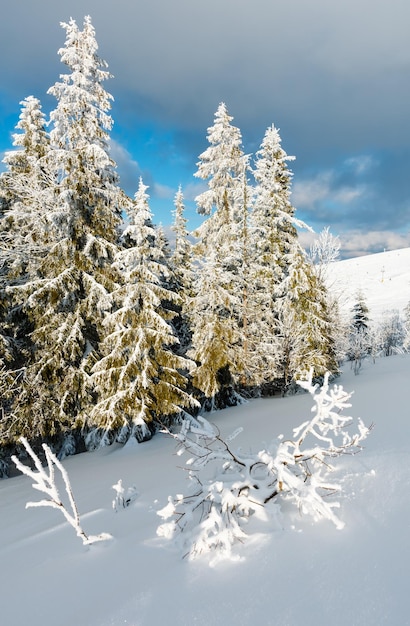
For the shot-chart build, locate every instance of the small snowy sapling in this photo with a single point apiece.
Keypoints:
(228, 487)
(123, 497)
(46, 482)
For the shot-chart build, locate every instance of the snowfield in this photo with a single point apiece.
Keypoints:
(292, 571)
(383, 279)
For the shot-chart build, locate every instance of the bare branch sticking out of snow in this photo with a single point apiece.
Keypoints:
(46, 482)
(228, 488)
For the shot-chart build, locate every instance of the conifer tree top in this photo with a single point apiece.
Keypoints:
(80, 92)
(221, 162)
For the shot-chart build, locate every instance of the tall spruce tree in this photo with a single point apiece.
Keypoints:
(292, 307)
(183, 272)
(67, 303)
(305, 323)
(140, 381)
(323, 253)
(216, 332)
(182, 254)
(361, 340)
(273, 215)
(26, 196)
(273, 219)
(273, 232)
(24, 199)
(272, 227)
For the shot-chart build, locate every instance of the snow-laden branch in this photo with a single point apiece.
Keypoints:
(229, 487)
(45, 481)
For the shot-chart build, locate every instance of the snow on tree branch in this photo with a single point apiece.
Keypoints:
(46, 482)
(227, 488)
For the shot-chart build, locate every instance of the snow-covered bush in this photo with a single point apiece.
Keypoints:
(46, 482)
(390, 334)
(360, 346)
(228, 488)
(123, 496)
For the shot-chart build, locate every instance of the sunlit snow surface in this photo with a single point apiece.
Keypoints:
(383, 280)
(296, 572)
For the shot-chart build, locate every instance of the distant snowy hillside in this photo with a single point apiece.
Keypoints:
(383, 279)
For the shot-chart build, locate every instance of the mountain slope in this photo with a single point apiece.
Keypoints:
(383, 279)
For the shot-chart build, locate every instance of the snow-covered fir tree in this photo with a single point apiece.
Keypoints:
(67, 303)
(216, 333)
(293, 315)
(81, 122)
(140, 381)
(31, 144)
(252, 332)
(360, 314)
(182, 254)
(182, 270)
(361, 340)
(220, 163)
(26, 198)
(305, 324)
(273, 215)
(323, 253)
(272, 231)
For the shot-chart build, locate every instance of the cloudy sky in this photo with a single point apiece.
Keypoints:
(334, 77)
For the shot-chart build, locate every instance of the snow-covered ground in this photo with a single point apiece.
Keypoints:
(300, 572)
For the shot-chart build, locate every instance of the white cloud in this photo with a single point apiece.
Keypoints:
(325, 188)
(130, 172)
(121, 156)
(163, 192)
(128, 168)
(307, 192)
(358, 243)
(192, 190)
(361, 164)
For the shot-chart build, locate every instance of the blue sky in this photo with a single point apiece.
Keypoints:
(334, 77)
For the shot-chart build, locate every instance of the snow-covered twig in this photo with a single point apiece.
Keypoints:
(46, 482)
(229, 487)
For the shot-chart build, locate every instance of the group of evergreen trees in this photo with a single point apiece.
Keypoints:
(104, 331)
